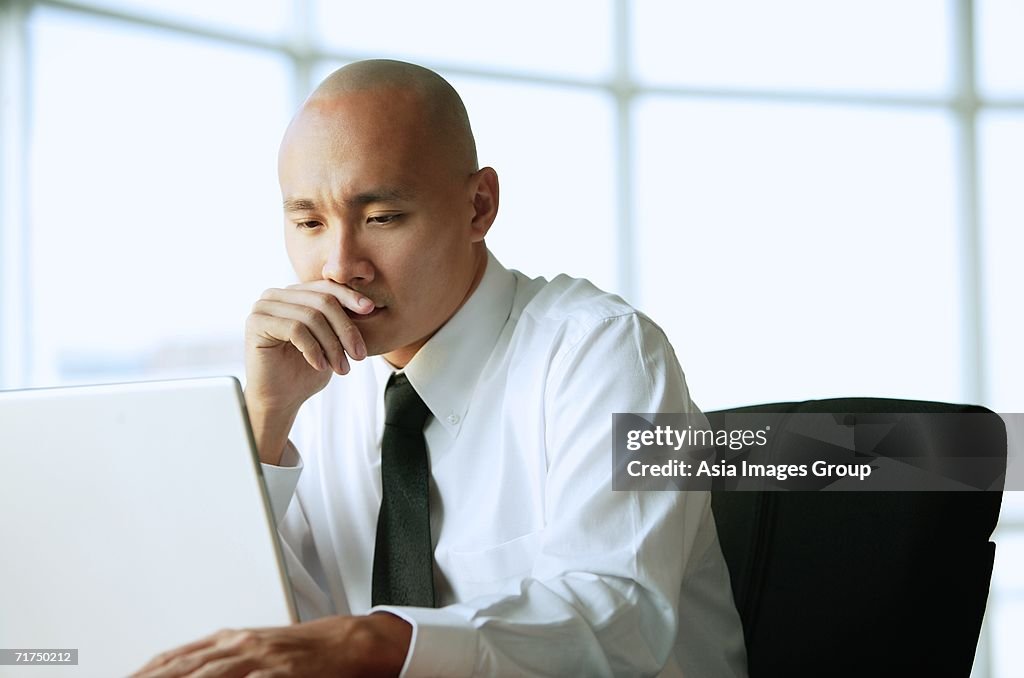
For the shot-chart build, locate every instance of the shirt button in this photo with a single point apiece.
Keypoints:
(453, 419)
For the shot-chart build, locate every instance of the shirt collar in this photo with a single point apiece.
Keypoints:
(446, 368)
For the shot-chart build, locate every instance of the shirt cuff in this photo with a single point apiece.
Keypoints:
(282, 480)
(443, 643)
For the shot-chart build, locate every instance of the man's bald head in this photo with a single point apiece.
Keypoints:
(437, 106)
(382, 194)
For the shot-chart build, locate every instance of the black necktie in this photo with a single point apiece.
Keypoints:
(403, 558)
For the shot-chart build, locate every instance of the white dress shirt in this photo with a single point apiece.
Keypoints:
(540, 567)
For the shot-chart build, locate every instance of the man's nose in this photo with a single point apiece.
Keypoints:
(347, 260)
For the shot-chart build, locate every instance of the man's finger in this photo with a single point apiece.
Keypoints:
(319, 326)
(189, 664)
(232, 666)
(348, 297)
(165, 657)
(331, 309)
(285, 330)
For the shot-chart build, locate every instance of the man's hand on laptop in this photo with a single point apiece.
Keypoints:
(295, 339)
(372, 645)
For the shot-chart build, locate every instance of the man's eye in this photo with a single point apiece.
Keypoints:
(382, 219)
(307, 225)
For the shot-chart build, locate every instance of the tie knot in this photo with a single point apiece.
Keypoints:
(403, 407)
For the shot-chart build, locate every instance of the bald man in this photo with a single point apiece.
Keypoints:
(533, 564)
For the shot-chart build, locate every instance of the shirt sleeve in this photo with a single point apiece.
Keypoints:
(300, 556)
(281, 481)
(603, 595)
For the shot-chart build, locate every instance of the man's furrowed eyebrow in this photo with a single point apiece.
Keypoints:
(358, 200)
(378, 195)
(298, 205)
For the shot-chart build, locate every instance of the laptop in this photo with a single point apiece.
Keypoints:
(133, 519)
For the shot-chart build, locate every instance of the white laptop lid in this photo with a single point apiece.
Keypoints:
(133, 519)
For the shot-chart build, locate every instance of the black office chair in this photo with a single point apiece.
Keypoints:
(867, 584)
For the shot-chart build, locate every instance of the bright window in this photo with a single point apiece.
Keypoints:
(845, 45)
(999, 25)
(568, 38)
(267, 18)
(550, 200)
(810, 248)
(1001, 170)
(155, 208)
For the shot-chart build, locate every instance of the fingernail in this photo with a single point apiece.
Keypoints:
(360, 350)
(365, 303)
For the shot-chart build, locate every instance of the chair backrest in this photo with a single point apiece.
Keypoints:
(861, 583)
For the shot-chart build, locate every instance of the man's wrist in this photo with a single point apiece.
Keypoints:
(384, 642)
(270, 429)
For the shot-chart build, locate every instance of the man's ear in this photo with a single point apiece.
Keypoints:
(485, 201)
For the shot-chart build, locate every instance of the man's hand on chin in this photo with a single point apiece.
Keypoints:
(372, 645)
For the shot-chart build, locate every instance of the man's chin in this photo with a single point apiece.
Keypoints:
(375, 346)
(398, 356)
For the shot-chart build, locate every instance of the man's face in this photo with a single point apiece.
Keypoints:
(372, 202)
